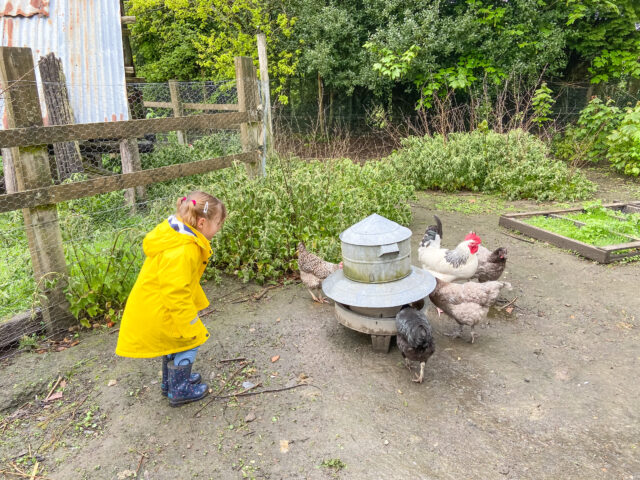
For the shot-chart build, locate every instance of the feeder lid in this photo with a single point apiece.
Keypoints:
(415, 286)
(375, 230)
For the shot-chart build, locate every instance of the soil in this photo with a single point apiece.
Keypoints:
(547, 391)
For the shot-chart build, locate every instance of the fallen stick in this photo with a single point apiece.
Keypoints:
(502, 307)
(35, 470)
(228, 360)
(53, 388)
(271, 390)
(25, 475)
(518, 238)
(143, 455)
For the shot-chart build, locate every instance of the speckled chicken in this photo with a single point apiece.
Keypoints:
(467, 303)
(414, 338)
(490, 264)
(313, 270)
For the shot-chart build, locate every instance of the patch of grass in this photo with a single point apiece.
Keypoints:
(470, 204)
(602, 226)
(334, 464)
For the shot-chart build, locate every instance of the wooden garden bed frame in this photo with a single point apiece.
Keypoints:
(604, 254)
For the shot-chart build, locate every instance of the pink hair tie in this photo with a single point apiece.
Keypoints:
(194, 202)
(183, 199)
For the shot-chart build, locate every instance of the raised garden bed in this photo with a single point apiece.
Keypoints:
(604, 234)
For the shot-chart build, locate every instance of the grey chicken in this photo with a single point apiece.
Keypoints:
(414, 338)
(313, 270)
(490, 264)
(467, 303)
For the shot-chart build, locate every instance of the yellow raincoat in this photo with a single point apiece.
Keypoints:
(161, 314)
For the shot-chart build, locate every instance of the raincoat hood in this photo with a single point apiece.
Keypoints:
(173, 233)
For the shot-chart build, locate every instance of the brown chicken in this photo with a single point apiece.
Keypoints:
(490, 264)
(467, 303)
(313, 270)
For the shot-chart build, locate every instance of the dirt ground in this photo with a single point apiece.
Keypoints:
(546, 392)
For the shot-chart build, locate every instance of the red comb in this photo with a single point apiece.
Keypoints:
(474, 237)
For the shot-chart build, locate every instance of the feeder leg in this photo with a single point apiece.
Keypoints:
(381, 343)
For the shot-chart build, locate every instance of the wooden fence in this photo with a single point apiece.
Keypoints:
(26, 141)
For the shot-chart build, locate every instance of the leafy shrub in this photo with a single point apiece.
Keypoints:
(102, 274)
(624, 143)
(514, 165)
(587, 139)
(298, 200)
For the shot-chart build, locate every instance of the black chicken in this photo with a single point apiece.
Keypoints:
(415, 339)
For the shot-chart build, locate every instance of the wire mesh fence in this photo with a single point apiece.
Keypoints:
(77, 198)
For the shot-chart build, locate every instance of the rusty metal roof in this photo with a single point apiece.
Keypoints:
(24, 8)
(86, 35)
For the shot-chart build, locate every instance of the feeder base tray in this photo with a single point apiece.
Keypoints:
(381, 329)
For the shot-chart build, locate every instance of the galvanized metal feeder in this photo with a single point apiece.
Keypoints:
(377, 278)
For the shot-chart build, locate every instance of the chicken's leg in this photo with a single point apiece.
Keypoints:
(473, 334)
(419, 378)
(315, 299)
(456, 334)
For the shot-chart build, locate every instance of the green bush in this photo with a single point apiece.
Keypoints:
(515, 165)
(624, 143)
(298, 200)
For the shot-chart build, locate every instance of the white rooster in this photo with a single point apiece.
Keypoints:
(460, 263)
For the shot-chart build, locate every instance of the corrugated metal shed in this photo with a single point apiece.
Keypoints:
(24, 8)
(86, 35)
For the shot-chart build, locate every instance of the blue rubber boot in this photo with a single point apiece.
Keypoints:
(164, 386)
(181, 390)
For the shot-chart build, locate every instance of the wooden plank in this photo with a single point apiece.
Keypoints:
(158, 104)
(617, 205)
(134, 79)
(631, 209)
(129, 70)
(67, 154)
(621, 246)
(584, 249)
(196, 106)
(125, 129)
(233, 107)
(128, 19)
(26, 323)
(62, 193)
(22, 109)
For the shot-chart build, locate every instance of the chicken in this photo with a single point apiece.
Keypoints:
(414, 337)
(313, 270)
(490, 264)
(450, 265)
(467, 303)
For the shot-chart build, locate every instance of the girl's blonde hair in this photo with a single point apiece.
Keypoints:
(199, 204)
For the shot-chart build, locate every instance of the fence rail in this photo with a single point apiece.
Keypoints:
(88, 188)
(31, 136)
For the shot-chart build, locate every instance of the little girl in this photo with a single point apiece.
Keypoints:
(161, 315)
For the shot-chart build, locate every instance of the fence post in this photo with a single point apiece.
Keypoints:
(176, 103)
(22, 109)
(266, 95)
(248, 101)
